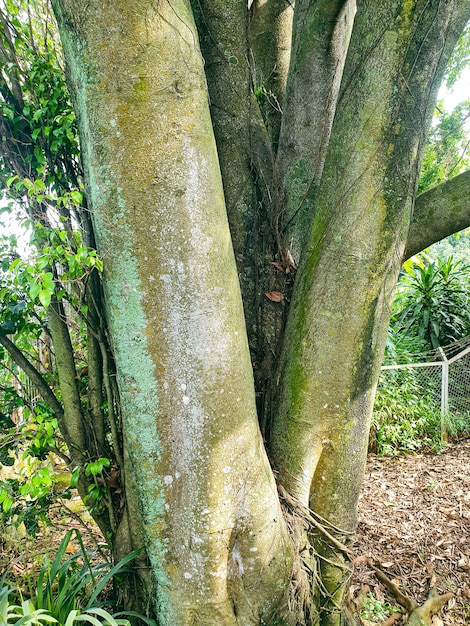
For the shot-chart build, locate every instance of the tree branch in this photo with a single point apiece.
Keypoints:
(74, 432)
(36, 378)
(438, 213)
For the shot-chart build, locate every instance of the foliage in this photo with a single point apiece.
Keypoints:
(41, 178)
(34, 104)
(460, 58)
(457, 246)
(27, 614)
(68, 591)
(374, 610)
(401, 347)
(27, 488)
(447, 150)
(432, 301)
(405, 417)
(431, 308)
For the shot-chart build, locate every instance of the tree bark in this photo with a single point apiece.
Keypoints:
(212, 522)
(310, 103)
(247, 163)
(271, 39)
(74, 434)
(245, 155)
(345, 284)
(438, 213)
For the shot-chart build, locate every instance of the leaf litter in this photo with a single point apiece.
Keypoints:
(414, 525)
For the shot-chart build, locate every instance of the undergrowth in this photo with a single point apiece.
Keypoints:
(406, 420)
(67, 590)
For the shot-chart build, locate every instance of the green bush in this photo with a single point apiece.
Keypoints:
(26, 614)
(406, 418)
(432, 301)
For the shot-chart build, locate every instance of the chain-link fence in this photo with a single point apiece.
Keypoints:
(443, 376)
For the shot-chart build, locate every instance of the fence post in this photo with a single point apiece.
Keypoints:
(444, 391)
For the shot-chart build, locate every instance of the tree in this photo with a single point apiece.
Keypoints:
(187, 114)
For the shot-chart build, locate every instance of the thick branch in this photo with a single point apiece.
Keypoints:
(438, 213)
(74, 430)
(312, 90)
(36, 378)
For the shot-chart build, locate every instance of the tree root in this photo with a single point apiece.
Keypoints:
(308, 516)
(418, 615)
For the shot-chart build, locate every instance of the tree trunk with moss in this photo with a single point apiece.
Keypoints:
(319, 206)
(212, 521)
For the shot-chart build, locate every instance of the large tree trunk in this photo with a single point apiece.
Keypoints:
(213, 524)
(214, 531)
(345, 285)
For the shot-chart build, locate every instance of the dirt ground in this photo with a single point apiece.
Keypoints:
(415, 525)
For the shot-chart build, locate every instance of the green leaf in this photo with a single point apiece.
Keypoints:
(74, 477)
(77, 197)
(45, 297)
(34, 290)
(7, 504)
(48, 282)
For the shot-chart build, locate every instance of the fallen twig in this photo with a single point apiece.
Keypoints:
(407, 603)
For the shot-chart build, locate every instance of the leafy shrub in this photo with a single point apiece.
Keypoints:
(68, 591)
(432, 301)
(406, 418)
(26, 614)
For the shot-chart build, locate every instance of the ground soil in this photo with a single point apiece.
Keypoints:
(415, 526)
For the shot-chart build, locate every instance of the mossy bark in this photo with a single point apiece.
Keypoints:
(310, 102)
(213, 528)
(438, 213)
(345, 284)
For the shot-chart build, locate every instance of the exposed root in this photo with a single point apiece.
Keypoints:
(307, 591)
(418, 615)
(300, 606)
(308, 516)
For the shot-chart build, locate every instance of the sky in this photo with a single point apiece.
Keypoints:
(459, 93)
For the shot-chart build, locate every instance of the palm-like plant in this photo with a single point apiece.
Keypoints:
(67, 591)
(433, 301)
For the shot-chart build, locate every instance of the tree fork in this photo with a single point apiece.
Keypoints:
(363, 209)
